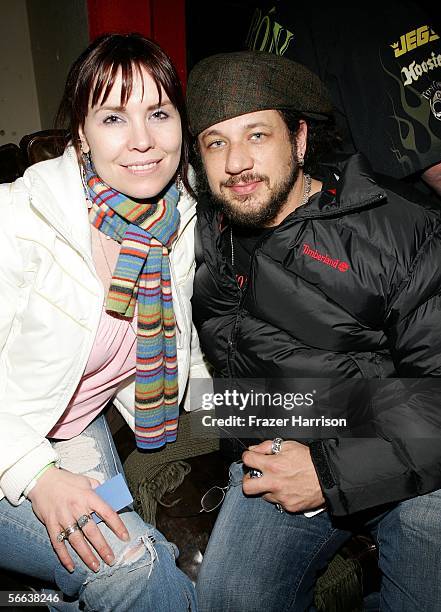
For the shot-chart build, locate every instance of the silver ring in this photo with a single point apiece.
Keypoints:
(61, 536)
(83, 520)
(70, 530)
(276, 446)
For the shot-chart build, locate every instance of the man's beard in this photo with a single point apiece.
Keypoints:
(242, 215)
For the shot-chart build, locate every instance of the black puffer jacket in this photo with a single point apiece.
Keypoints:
(346, 286)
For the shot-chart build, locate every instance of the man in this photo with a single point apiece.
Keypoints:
(323, 276)
(381, 62)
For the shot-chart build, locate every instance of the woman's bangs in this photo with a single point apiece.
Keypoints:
(106, 78)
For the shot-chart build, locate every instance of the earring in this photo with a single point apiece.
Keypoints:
(301, 162)
(179, 183)
(86, 156)
(85, 187)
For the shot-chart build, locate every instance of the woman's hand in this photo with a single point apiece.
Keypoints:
(59, 499)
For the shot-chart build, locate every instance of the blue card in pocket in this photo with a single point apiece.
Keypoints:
(115, 492)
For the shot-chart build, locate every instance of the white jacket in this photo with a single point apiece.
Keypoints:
(51, 301)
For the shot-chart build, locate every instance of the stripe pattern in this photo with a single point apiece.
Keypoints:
(146, 232)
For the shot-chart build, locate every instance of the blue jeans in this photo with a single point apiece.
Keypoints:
(258, 559)
(144, 576)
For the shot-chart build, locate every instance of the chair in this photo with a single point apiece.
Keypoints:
(12, 162)
(33, 148)
(42, 145)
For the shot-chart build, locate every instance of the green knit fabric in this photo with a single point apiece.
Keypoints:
(149, 493)
(339, 589)
(151, 475)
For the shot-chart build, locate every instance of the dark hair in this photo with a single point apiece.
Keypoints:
(322, 140)
(93, 75)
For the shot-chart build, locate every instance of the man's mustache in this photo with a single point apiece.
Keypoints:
(246, 177)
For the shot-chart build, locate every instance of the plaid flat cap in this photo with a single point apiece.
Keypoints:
(231, 84)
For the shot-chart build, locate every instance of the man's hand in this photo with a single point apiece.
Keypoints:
(289, 477)
(58, 499)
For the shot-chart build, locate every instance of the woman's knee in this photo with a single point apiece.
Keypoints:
(144, 576)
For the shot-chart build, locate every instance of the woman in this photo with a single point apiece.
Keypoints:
(105, 218)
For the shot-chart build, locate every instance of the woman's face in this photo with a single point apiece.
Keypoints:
(135, 149)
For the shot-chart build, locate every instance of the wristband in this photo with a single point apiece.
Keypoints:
(33, 482)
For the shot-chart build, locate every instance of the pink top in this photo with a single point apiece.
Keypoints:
(112, 359)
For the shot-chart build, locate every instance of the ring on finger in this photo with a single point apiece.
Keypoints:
(61, 536)
(83, 520)
(276, 446)
(70, 530)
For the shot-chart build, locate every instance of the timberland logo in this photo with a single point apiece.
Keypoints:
(339, 265)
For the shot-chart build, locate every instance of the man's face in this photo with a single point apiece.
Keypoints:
(251, 167)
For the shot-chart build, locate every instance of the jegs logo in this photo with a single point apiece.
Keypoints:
(413, 39)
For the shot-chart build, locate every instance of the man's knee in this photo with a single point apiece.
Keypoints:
(417, 519)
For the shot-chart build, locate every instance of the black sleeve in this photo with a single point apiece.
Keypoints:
(404, 460)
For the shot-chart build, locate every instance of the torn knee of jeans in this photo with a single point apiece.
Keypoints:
(138, 553)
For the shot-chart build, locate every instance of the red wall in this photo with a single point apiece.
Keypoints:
(161, 20)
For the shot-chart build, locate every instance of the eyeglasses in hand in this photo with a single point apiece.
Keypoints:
(213, 498)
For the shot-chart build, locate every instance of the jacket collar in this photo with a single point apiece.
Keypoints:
(57, 193)
(348, 185)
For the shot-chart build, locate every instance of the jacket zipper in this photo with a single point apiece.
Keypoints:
(231, 348)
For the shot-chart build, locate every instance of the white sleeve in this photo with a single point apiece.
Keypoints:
(23, 452)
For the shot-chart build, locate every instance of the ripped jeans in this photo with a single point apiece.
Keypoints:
(144, 577)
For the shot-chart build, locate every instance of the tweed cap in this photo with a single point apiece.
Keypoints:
(231, 84)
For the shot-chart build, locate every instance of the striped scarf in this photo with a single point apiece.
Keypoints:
(142, 274)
